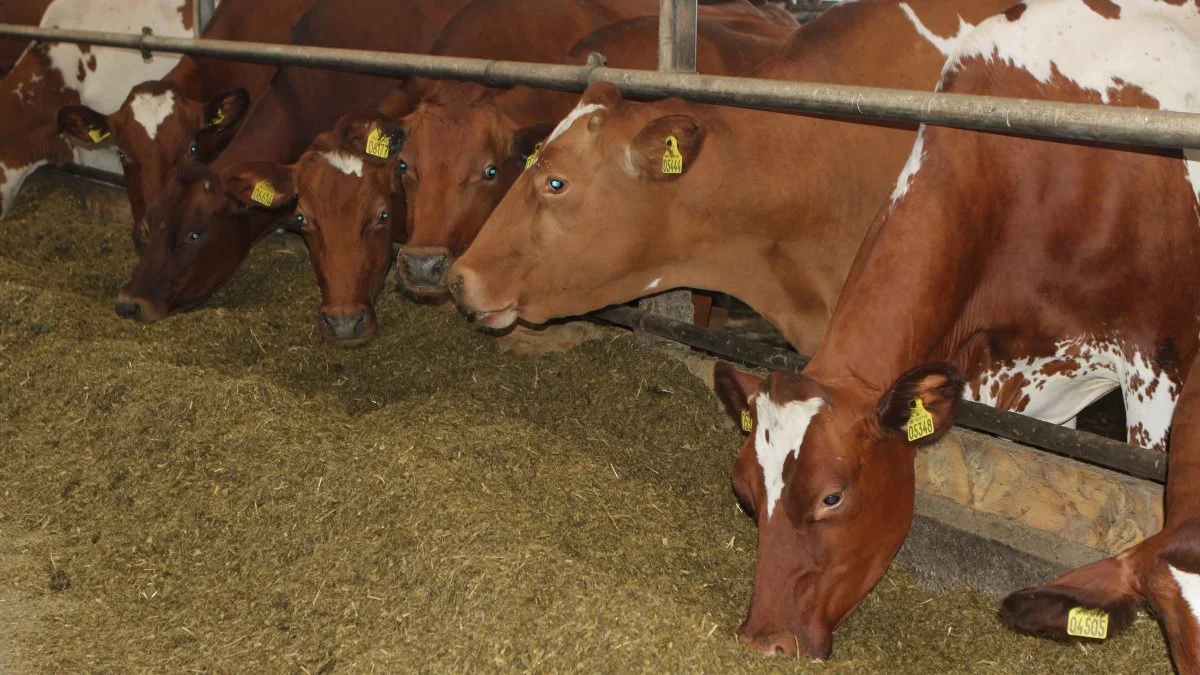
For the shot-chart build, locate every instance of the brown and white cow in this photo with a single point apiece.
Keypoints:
(466, 145)
(51, 75)
(1031, 275)
(205, 221)
(22, 13)
(194, 110)
(597, 222)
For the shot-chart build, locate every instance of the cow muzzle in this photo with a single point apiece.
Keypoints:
(423, 271)
(137, 309)
(348, 328)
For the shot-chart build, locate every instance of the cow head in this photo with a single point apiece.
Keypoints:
(585, 226)
(199, 230)
(349, 208)
(461, 154)
(828, 476)
(154, 129)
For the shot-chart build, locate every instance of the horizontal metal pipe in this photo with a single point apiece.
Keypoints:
(1078, 445)
(1070, 121)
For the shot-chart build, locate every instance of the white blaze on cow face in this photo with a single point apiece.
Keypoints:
(581, 110)
(1166, 68)
(1055, 388)
(346, 163)
(779, 432)
(151, 110)
(945, 45)
(1189, 588)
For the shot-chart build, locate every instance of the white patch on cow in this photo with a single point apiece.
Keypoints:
(581, 110)
(785, 425)
(911, 167)
(346, 163)
(1189, 588)
(945, 45)
(10, 183)
(1081, 371)
(1154, 46)
(653, 284)
(151, 110)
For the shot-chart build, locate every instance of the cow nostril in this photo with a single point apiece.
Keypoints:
(327, 324)
(128, 310)
(439, 267)
(779, 650)
(360, 325)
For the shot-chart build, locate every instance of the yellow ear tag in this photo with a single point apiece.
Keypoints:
(672, 160)
(1088, 623)
(379, 144)
(747, 421)
(97, 135)
(264, 193)
(920, 422)
(219, 118)
(533, 156)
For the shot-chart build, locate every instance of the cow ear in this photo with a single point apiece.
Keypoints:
(226, 109)
(603, 94)
(525, 141)
(266, 186)
(922, 404)
(734, 388)
(666, 148)
(83, 123)
(371, 136)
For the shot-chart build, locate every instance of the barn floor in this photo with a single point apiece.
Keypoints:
(223, 492)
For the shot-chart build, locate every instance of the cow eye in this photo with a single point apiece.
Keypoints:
(384, 216)
(194, 235)
(193, 149)
(832, 500)
(556, 185)
(491, 172)
(121, 156)
(403, 166)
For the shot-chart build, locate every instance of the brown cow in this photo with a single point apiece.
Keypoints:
(786, 195)
(193, 111)
(1046, 274)
(22, 13)
(205, 222)
(50, 75)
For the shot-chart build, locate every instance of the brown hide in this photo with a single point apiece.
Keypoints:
(786, 196)
(190, 127)
(22, 13)
(299, 104)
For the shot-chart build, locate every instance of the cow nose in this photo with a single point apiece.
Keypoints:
(424, 269)
(775, 644)
(129, 309)
(342, 327)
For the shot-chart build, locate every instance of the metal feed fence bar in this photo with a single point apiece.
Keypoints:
(1068, 121)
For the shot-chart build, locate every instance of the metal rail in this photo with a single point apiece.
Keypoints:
(1069, 121)
(1078, 445)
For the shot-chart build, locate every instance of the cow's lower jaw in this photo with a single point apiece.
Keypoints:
(497, 319)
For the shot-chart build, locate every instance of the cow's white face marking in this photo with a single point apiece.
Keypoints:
(10, 182)
(1189, 588)
(581, 110)
(1164, 62)
(346, 163)
(945, 45)
(1055, 388)
(779, 431)
(150, 111)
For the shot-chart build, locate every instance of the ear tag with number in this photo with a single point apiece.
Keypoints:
(920, 422)
(379, 144)
(747, 421)
(218, 119)
(264, 193)
(98, 135)
(1088, 623)
(672, 160)
(533, 156)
